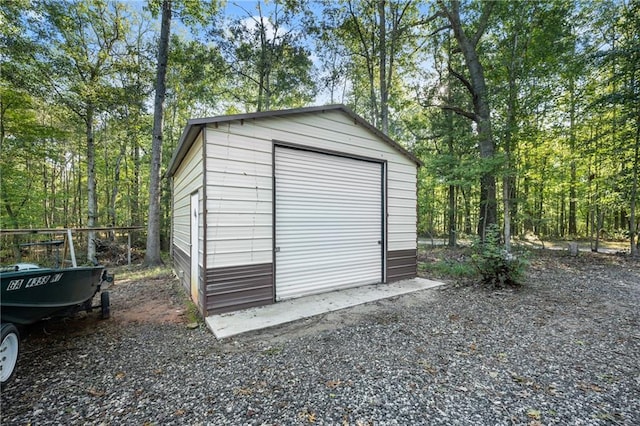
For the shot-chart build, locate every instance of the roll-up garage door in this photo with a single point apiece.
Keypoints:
(328, 222)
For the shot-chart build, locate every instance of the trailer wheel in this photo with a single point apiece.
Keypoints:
(9, 351)
(105, 305)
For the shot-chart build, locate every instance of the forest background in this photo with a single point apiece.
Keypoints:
(526, 114)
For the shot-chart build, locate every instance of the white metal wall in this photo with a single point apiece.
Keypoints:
(239, 199)
(187, 179)
(239, 173)
(328, 222)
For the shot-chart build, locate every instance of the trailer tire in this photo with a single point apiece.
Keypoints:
(9, 352)
(105, 305)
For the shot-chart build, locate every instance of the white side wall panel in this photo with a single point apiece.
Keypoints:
(239, 200)
(333, 131)
(186, 180)
(328, 222)
(239, 180)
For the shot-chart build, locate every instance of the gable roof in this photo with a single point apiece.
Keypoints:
(194, 126)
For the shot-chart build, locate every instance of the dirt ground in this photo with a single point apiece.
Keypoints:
(136, 296)
(154, 300)
(156, 297)
(560, 349)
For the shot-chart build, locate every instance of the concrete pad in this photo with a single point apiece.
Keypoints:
(238, 322)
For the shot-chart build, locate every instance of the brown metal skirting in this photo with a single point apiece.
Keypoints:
(401, 264)
(181, 262)
(239, 287)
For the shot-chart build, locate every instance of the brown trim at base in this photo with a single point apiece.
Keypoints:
(233, 288)
(181, 263)
(402, 264)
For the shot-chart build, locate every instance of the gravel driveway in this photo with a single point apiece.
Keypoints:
(564, 349)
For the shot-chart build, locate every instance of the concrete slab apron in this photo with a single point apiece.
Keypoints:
(238, 322)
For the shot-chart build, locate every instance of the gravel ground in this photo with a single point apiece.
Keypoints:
(563, 349)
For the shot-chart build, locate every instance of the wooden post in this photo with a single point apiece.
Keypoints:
(129, 248)
(72, 249)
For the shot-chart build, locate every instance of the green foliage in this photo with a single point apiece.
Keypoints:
(449, 268)
(562, 79)
(496, 266)
(267, 63)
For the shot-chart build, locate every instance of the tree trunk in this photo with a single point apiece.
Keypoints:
(384, 91)
(92, 213)
(634, 189)
(477, 87)
(13, 218)
(135, 192)
(573, 228)
(152, 255)
(466, 195)
(115, 189)
(452, 216)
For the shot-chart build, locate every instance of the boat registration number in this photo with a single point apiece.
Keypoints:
(34, 282)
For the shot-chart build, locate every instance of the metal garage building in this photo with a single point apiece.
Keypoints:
(276, 205)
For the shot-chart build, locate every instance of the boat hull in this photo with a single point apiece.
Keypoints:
(31, 295)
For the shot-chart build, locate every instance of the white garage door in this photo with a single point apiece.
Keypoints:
(328, 222)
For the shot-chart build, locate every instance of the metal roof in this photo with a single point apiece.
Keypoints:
(194, 126)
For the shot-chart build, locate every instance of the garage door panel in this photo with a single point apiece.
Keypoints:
(328, 222)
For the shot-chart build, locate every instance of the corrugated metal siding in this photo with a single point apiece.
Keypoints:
(401, 264)
(239, 287)
(239, 200)
(182, 267)
(328, 222)
(239, 193)
(187, 179)
(331, 130)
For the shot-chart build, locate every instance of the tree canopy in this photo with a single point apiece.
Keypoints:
(525, 114)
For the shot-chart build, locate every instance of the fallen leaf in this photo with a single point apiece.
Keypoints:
(242, 391)
(309, 416)
(95, 392)
(493, 374)
(589, 387)
(533, 414)
(120, 375)
(333, 383)
(428, 367)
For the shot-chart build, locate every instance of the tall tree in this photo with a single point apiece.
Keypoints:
(264, 50)
(621, 99)
(477, 87)
(525, 50)
(82, 40)
(191, 12)
(152, 254)
(381, 39)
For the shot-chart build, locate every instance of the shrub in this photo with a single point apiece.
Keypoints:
(497, 266)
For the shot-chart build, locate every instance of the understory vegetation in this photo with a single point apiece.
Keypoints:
(525, 115)
(486, 263)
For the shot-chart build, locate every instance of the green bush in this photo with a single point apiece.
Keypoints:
(497, 266)
(449, 268)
